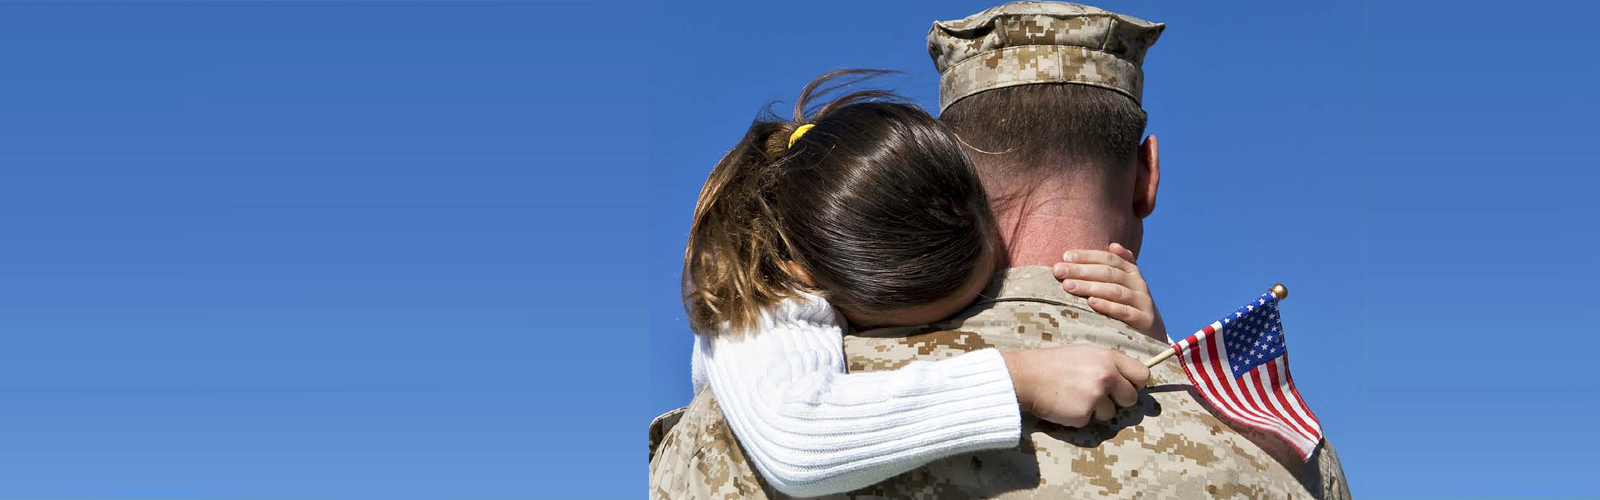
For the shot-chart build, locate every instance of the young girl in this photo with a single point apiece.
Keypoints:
(865, 213)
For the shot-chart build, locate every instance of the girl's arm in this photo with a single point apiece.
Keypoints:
(811, 429)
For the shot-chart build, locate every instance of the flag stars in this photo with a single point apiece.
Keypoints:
(1252, 335)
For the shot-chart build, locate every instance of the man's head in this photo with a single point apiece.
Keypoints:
(1046, 97)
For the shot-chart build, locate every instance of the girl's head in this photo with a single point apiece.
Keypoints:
(875, 207)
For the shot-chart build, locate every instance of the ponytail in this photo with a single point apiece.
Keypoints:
(735, 261)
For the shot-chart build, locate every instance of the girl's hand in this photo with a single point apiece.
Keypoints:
(1075, 384)
(1113, 285)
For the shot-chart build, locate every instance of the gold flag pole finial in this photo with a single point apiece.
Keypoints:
(1278, 290)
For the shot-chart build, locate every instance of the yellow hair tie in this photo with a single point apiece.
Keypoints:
(799, 131)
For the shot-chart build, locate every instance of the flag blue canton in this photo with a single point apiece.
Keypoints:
(1253, 335)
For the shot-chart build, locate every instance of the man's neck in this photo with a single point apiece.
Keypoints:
(1037, 232)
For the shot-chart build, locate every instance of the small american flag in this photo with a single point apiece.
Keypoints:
(1240, 365)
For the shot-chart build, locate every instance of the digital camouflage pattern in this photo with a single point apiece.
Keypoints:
(1040, 42)
(1166, 446)
(660, 425)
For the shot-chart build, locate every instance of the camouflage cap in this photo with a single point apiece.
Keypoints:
(1040, 42)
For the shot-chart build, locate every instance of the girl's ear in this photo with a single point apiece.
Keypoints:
(800, 273)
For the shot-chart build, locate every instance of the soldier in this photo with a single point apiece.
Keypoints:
(1046, 95)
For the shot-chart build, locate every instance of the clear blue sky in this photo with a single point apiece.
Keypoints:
(1421, 175)
(430, 250)
(321, 250)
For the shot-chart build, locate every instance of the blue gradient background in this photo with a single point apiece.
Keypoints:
(1420, 174)
(321, 250)
(430, 250)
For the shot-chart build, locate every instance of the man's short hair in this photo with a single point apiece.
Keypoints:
(1028, 133)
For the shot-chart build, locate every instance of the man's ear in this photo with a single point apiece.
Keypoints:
(1147, 179)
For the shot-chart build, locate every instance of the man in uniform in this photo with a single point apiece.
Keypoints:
(1046, 94)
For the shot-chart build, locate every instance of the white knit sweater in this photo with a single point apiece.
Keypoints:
(811, 429)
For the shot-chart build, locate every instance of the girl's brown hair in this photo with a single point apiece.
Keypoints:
(876, 205)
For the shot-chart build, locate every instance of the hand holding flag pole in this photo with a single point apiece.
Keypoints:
(1278, 290)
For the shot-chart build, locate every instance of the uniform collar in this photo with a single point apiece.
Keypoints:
(1017, 284)
(1030, 283)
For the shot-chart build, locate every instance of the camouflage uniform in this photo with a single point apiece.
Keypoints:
(1166, 446)
(1020, 43)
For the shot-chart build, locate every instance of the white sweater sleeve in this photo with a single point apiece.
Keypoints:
(811, 429)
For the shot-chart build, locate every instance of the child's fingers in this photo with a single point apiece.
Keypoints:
(1096, 272)
(1133, 370)
(1100, 257)
(1123, 393)
(1121, 312)
(1122, 251)
(1105, 410)
(1109, 291)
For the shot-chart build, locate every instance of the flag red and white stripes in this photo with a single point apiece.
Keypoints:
(1240, 365)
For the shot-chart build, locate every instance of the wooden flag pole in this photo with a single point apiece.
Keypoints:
(1278, 290)
(1152, 362)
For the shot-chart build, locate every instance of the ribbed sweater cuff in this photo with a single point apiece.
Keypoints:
(1006, 423)
(963, 419)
